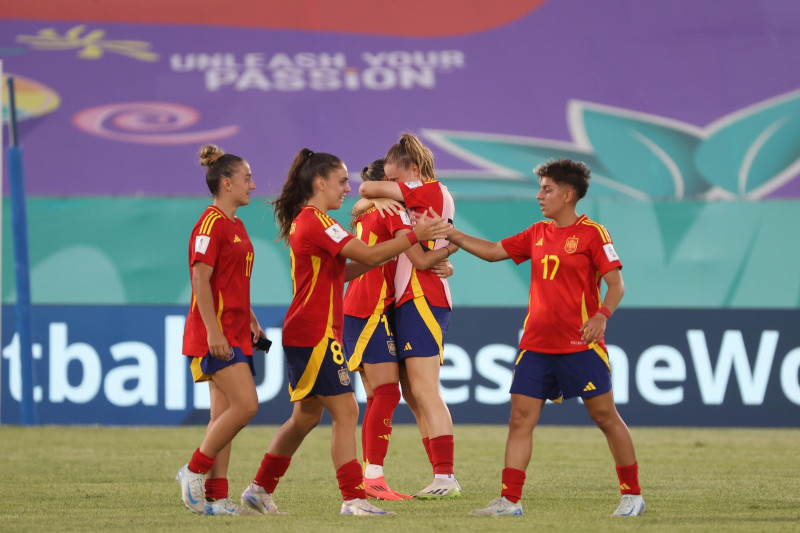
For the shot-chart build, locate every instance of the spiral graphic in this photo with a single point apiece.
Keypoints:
(147, 123)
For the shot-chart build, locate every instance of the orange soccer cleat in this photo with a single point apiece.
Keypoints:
(377, 489)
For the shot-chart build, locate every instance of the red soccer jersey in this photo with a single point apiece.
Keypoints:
(411, 283)
(315, 240)
(223, 244)
(373, 292)
(566, 267)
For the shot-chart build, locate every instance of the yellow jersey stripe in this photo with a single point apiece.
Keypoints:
(603, 233)
(528, 315)
(292, 267)
(326, 220)
(416, 286)
(329, 326)
(208, 223)
(315, 264)
(219, 313)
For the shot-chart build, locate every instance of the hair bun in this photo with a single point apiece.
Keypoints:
(209, 154)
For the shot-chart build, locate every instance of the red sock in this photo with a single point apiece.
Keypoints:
(380, 422)
(216, 488)
(351, 481)
(427, 443)
(513, 480)
(442, 453)
(365, 429)
(629, 479)
(200, 463)
(272, 469)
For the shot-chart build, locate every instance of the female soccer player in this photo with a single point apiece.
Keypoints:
(312, 331)
(220, 329)
(562, 351)
(422, 308)
(368, 333)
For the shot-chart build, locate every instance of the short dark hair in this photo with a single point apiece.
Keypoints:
(566, 172)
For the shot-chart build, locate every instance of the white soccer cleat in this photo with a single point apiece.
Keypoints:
(499, 507)
(631, 505)
(359, 507)
(193, 490)
(225, 507)
(259, 500)
(440, 489)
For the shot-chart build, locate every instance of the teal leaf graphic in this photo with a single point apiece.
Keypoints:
(756, 150)
(505, 153)
(649, 153)
(508, 162)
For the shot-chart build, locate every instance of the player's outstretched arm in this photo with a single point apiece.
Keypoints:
(428, 228)
(486, 250)
(423, 260)
(381, 189)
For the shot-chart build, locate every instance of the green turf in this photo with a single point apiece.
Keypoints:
(122, 479)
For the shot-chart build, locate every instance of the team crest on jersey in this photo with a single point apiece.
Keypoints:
(571, 245)
(392, 349)
(344, 376)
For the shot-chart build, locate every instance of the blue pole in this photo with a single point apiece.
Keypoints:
(19, 224)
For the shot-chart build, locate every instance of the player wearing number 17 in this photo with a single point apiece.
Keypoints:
(562, 351)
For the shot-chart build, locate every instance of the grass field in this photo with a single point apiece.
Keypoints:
(113, 479)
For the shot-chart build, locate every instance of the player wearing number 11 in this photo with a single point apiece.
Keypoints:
(562, 351)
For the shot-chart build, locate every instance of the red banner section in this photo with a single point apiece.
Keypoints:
(411, 18)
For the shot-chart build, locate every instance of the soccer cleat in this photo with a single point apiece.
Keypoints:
(359, 507)
(259, 500)
(377, 489)
(193, 490)
(226, 507)
(631, 505)
(440, 489)
(499, 507)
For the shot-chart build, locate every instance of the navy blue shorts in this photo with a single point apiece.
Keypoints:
(419, 329)
(369, 340)
(205, 367)
(555, 377)
(319, 370)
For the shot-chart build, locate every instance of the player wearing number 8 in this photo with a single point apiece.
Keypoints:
(562, 350)
(312, 332)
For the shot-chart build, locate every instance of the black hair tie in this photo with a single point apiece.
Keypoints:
(309, 154)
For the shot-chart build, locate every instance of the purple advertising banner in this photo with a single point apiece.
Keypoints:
(663, 99)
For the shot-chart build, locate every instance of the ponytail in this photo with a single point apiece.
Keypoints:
(410, 150)
(299, 186)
